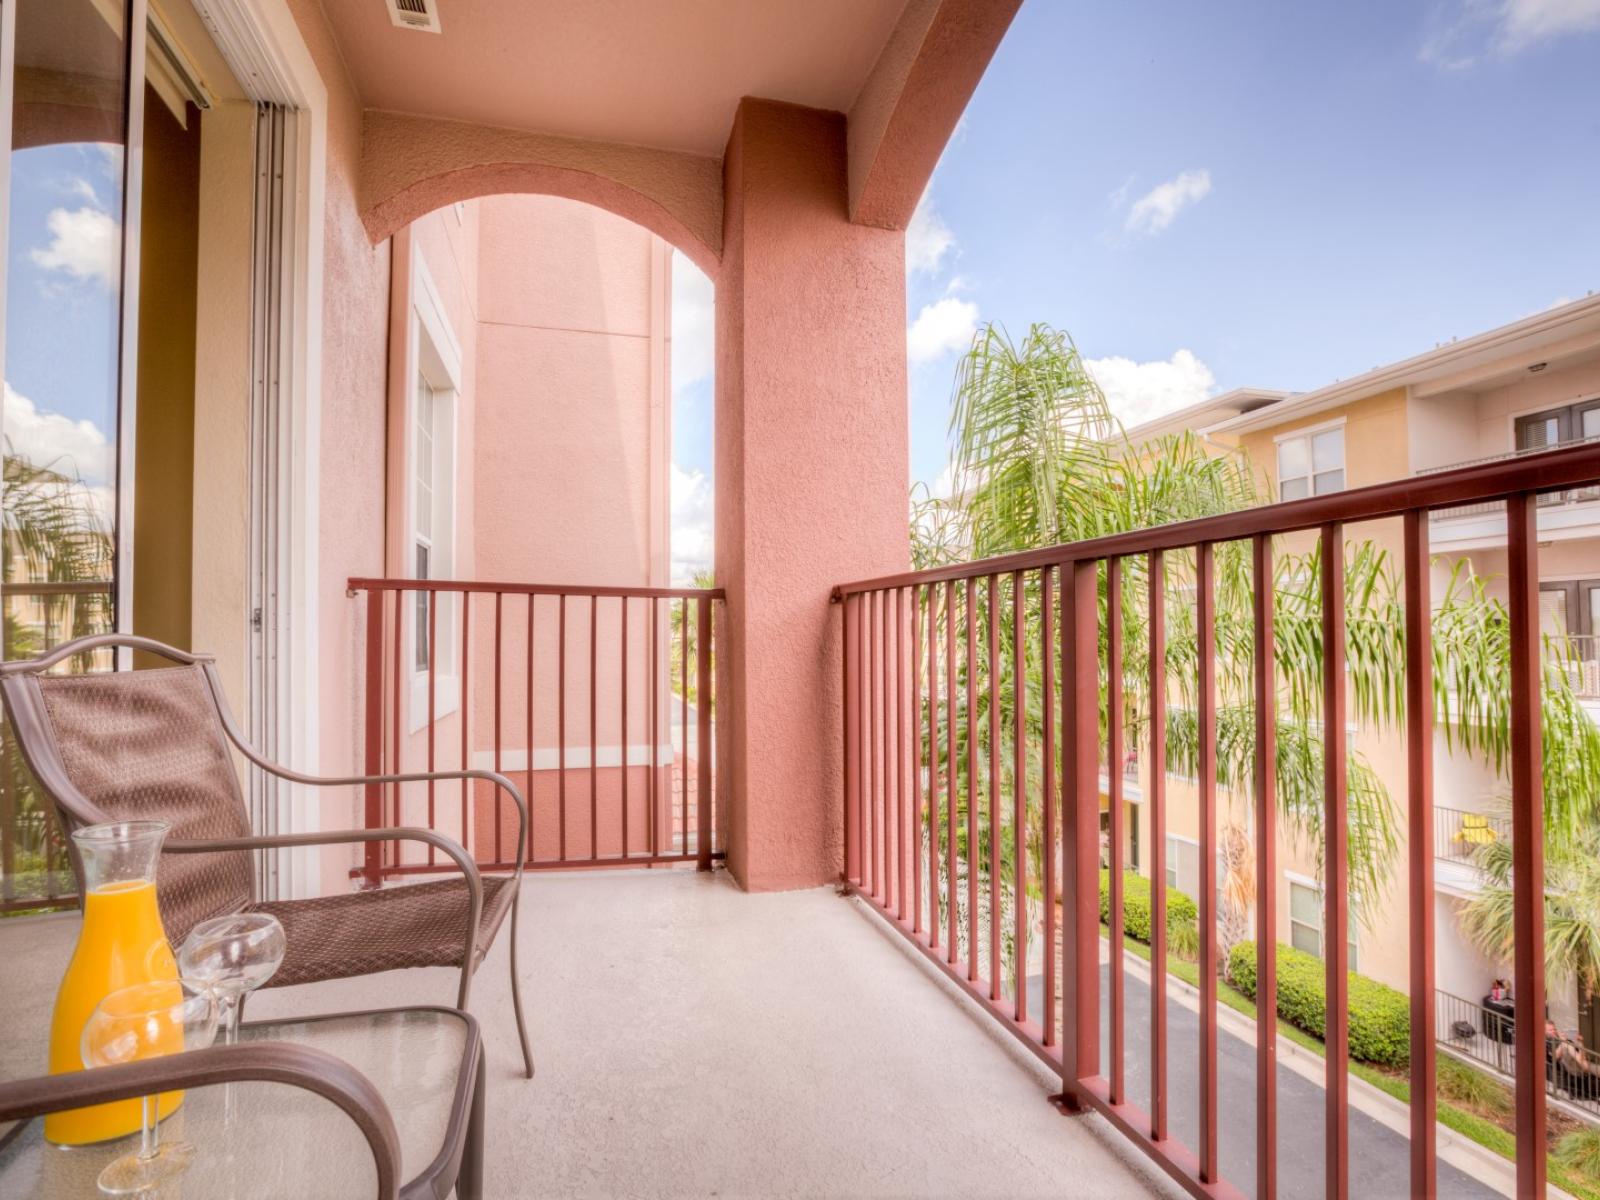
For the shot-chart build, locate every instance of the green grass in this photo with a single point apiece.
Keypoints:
(1468, 1124)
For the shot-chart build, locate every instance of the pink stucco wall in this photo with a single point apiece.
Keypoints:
(559, 312)
(355, 305)
(811, 473)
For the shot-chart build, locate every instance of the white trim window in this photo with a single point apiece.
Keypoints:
(1305, 919)
(1311, 463)
(430, 546)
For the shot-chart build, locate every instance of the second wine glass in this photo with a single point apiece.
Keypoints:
(234, 955)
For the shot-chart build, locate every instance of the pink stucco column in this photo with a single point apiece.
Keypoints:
(811, 475)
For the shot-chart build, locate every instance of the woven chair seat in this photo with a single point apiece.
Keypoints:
(361, 933)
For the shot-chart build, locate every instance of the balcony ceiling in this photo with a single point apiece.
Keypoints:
(666, 74)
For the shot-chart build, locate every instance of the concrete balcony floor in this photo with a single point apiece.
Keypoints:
(693, 1040)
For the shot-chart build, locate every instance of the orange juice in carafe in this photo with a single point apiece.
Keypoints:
(122, 943)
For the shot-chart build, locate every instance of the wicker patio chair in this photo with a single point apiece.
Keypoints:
(153, 744)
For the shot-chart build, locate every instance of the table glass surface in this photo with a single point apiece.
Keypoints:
(279, 1140)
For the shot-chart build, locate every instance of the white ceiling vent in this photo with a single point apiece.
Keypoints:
(421, 15)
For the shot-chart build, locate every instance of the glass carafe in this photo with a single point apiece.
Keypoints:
(122, 943)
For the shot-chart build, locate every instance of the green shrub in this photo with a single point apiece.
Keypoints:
(1470, 1088)
(1380, 1017)
(1579, 1152)
(1136, 906)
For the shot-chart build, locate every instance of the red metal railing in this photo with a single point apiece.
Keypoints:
(598, 702)
(906, 801)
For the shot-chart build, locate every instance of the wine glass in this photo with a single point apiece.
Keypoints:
(234, 955)
(143, 1021)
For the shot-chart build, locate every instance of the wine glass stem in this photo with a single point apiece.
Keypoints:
(230, 1020)
(149, 1131)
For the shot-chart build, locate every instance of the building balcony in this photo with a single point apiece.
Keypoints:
(694, 1040)
(1563, 513)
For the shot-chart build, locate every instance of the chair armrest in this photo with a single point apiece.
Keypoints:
(338, 837)
(494, 777)
(304, 1067)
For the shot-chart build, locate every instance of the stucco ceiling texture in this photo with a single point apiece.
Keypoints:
(668, 73)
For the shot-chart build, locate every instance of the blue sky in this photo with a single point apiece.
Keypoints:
(61, 311)
(1208, 196)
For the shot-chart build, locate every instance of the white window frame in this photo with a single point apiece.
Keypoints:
(1296, 880)
(434, 361)
(1312, 477)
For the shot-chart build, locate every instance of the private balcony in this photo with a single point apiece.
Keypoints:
(694, 1040)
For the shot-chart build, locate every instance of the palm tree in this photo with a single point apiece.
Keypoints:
(1038, 459)
(1571, 910)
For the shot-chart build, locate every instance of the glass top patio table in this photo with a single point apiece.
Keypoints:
(279, 1140)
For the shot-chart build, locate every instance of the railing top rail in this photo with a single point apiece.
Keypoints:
(363, 584)
(1563, 467)
(1506, 455)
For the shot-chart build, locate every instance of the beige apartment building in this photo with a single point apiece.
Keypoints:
(1521, 387)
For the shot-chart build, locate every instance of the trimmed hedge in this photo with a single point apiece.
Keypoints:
(1380, 1017)
(1136, 905)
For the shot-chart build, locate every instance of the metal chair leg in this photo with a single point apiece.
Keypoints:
(516, 990)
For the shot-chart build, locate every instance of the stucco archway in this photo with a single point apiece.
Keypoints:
(413, 165)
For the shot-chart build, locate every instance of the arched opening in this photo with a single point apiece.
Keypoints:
(548, 529)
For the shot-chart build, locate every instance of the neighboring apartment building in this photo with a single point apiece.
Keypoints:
(1524, 386)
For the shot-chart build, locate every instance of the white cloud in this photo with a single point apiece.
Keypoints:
(76, 449)
(1160, 206)
(1463, 34)
(928, 238)
(694, 323)
(84, 242)
(1142, 391)
(941, 328)
(693, 511)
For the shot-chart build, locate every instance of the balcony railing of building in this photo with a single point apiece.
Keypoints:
(1458, 835)
(598, 702)
(972, 726)
(1551, 499)
(1578, 657)
(35, 874)
(1487, 1036)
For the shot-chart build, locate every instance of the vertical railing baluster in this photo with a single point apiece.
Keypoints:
(1019, 795)
(902, 726)
(1047, 852)
(1336, 865)
(499, 599)
(872, 743)
(1266, 814)
(561, 721)
(1156, 781)
(433, 693)
(464, 711)
(704, 700)
(594, 727)
(994, 786)
(933, 765)
(1205, 623)
(970, 612)
(1419, 805)
(528, 789)
(396, 752)
(852, 744)
(654, 794)
(683, 723)
(916, 760)
(1527, 838)
(891, 753)
(1080, 828)
(1118, 1081)
(623, 735)
(953, 916)
(372, 862)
